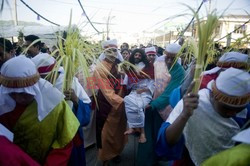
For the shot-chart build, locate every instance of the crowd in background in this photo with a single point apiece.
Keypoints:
(152, 99)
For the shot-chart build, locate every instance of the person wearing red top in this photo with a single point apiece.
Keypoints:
(227, 60)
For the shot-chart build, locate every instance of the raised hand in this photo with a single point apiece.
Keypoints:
(190, 102)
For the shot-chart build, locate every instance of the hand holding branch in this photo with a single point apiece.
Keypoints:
(190, 102)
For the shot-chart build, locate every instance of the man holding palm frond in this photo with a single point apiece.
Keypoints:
(110, 115)
(206, 122)
(77, 99)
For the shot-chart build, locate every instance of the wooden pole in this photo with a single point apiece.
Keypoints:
(15, 11)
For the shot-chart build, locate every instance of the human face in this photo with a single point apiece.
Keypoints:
(111, 54)
(125, 55)
(169, 59)
(151, 58)
(22, 98)
(124, 46)
(137, 57)
(4, 56)
(225, 110)
(33, 50)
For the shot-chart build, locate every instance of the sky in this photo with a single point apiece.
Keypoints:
(128, 18)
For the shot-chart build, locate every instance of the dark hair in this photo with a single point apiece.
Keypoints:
(44, 50)
(125, 49)
(17, 48)
(160, 51)
(126, 44)
(6, 44)
(144, 57)
(42, 44)
(32, 38)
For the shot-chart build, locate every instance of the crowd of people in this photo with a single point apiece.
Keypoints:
(152, 99)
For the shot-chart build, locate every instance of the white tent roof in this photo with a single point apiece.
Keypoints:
(39, 30)
(46, 33)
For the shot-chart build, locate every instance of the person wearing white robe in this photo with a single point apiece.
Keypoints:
(136, 101)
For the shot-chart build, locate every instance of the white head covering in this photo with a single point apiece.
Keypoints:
(150, 50)
(21, 67)
(109, 44)
(119, 56)
(44, 63)
(234, 57)
(173, 48)
(233, 86)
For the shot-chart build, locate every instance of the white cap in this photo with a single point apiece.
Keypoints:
(233, 82)
(232, 87)
(109, 44)
(150, 50)
(233, 57)
(18, 67)
(173, 48)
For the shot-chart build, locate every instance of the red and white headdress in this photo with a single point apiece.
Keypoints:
(150, 50)
(230, 59)
(44, 63)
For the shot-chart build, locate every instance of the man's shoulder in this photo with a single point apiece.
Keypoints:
(179, 67)
(177, 71)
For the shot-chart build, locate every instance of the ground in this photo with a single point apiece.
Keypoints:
(128, 155)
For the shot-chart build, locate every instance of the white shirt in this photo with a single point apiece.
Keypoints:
(206, 132)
